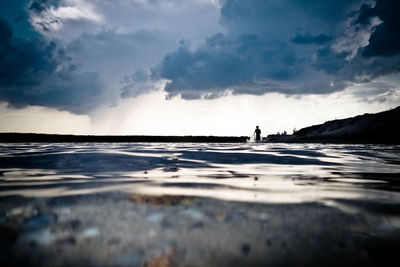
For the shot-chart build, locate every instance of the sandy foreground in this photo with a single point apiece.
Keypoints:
(121, 229)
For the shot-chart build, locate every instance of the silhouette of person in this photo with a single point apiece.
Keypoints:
(257, 131)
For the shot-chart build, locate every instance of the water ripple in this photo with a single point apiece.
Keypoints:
(242, 172)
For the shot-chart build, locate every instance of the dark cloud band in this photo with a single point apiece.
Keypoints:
(36, 72)
(263, 50)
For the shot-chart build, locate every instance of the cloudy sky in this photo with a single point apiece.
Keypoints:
(213, 67)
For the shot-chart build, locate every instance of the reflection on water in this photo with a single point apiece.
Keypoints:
(283, 173)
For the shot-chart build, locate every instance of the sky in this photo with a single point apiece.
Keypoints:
(194, 67)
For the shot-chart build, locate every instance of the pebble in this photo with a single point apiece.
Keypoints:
(70, 240)
(152, 233)
(162, 261)
(130, 258)
(165, 223)
(40, 237)
(220, 217)
(90, 232)
(114, 241)
(194, 214)
(155, 217)
(236, 216)
(259, 216)
(21, 213)
(15, 212)
(75, 224)
(196, 225)
(65, 211)
(41, 220)
(245, 248)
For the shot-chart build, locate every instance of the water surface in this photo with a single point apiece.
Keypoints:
(269, 173)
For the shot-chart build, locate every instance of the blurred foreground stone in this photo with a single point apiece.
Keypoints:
(117, 229)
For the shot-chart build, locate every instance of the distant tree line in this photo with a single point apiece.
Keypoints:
(285, 133)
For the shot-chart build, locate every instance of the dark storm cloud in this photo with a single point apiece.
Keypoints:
(64, 90)
(309, 39)
(136, 84)
(358, 69)
(24, 62)
(379, 57)
(72, 55)
(38, 6)
(227, 62)
(385, 40)
(15, 12)
(265, 50)
(36, 72)
(114, 53)
(284, 16)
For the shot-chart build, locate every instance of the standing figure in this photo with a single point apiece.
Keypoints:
(257, 131)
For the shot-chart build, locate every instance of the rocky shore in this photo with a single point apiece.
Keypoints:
(379, 128)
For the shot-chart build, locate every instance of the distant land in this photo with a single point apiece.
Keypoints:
(382, 128)
(63, 138)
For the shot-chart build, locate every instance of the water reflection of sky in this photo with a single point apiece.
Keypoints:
(247, 172)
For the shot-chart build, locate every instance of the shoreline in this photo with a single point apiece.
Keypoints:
(68, 138)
